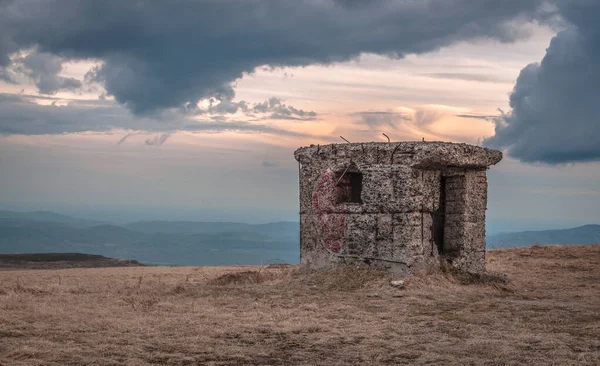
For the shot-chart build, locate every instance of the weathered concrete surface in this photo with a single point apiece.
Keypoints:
(397, 206)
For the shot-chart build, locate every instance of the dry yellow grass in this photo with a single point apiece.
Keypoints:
(549, 314)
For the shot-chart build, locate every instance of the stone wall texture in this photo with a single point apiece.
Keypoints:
(397, 206)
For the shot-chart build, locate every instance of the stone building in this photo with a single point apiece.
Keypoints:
(397, 206)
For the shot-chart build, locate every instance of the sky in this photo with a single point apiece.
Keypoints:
(191, 111)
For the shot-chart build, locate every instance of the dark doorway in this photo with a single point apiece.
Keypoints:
(439, 219)
(349, 188)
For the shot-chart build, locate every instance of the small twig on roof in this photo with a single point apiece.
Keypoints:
(387, 137)
(342, 137)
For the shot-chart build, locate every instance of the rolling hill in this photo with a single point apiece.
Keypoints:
(587, 234)
(152, 242)
(47, 216)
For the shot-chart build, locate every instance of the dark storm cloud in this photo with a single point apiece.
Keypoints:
(160, 54)
(554, 117)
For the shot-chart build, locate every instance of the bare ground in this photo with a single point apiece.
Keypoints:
(549, 314)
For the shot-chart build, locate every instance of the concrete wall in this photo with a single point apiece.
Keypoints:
(464, 233)
(393, 226)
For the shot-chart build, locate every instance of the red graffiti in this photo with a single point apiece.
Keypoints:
(332, 227)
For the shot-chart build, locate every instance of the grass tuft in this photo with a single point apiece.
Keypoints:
(343, 278)
(243, 278)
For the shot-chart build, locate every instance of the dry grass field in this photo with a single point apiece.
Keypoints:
(548, 315)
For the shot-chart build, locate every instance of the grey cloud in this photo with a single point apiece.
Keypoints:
(218, 118)
(225, 106)
(10, 98)
(477, 116)
(124, 138)
(158, 55)
(242, 127)
(554, 117)
(374, 113)
(273, 106)
(422, 117)
(279, 110)
(287, 116)
(407, 124)
(43, 69)
(426, 116)
(261, 107)
(6, 75)
(376, 119)
(158, 140)
(20, 115)
(465, 76)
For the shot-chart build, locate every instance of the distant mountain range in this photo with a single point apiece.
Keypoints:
(47, 216)
(582, 235)
(200, 243)
(152, 242)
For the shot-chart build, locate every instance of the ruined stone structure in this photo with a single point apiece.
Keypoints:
(397, 206)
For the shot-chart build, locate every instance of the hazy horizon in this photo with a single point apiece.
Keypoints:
(202, 243)
(114, 215)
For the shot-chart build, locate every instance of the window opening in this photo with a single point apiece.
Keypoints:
(349, 187)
